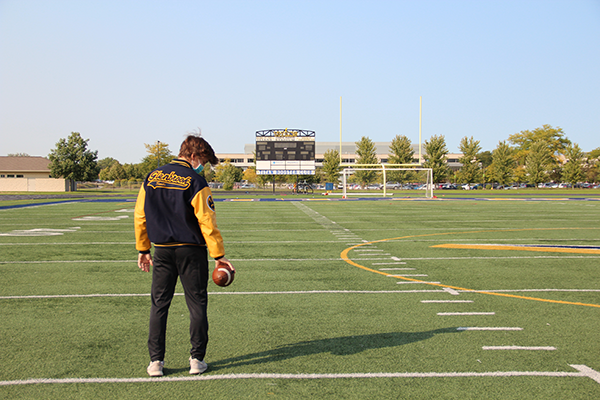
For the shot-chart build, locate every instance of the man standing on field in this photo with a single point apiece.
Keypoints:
(176, 212)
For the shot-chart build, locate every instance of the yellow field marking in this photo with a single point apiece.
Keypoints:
(344, 256)
(519, 248)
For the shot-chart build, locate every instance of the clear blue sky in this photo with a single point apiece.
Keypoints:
(125, 72)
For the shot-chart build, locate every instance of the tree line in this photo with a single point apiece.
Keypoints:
(531, 156)
(72, 160)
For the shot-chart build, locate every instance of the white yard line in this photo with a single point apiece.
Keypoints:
(391, 263)
(464, 313)
(488, 328)
(65, 296)
(446, 301)
(534, 348)
(582, 372)
(451, 291)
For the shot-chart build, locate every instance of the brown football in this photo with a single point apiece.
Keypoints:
(223, 276)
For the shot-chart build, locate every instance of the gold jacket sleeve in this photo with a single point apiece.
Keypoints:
(204, 209)
(142, 242)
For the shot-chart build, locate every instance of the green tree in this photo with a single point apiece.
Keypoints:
(503, 163)
(520, 174)
(435, 157)
(228, 174)
(72, 160)
(594, 153)
(367, 154)
(401, 152)
(263, 179)
(470, 172)
(208, 172)
(485, 157)
(573, 169)
(538, 161)
(116, 172)
(592, 171)
(553, 137)
(132, 171)
(592, 165)
(331, 166)
(158, 154)
(103, 175)
(106, 162)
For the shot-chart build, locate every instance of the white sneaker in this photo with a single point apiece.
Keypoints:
(155, 368)
(197, 366)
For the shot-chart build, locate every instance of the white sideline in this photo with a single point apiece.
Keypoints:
(583, 371)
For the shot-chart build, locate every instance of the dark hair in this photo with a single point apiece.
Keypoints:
(198, 146)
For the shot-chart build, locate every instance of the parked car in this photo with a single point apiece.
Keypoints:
(449, 186)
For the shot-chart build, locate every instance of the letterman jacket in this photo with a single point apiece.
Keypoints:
(175, 208)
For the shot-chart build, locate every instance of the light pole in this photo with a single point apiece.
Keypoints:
(157, 153)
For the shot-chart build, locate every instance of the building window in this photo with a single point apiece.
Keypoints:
(10, 176)
(19, 176)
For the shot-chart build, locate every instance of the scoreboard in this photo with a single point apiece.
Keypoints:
(285, 152)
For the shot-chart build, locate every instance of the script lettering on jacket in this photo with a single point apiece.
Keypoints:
(158, 179)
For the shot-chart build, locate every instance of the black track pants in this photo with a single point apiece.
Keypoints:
(191, 264)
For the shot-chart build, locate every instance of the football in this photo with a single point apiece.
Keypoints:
(223, 276)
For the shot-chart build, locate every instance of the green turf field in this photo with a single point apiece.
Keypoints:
(332, 299)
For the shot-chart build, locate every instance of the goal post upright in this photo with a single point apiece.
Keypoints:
(388, 167)
(420, 126)
(340, 129)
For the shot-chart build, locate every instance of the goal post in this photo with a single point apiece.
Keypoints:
(425, 178)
